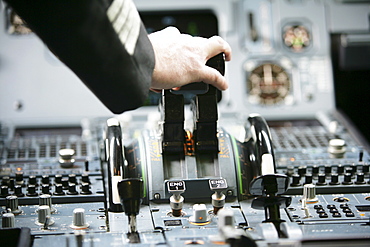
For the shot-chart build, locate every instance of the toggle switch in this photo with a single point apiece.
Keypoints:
(218, 198)
(176, 200)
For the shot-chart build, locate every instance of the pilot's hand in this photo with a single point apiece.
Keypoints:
(180, 59)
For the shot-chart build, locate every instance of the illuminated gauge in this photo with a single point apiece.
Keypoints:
(296, 38)
(268, 84)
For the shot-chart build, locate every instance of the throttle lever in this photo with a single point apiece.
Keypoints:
(116, 161)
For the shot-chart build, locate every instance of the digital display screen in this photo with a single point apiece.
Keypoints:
(201, 23)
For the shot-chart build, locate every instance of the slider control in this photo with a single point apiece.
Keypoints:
(176, 200)
(218, 198)
(131, 192)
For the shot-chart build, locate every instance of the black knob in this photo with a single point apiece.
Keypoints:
(321, 179)
(85, 178)
(18, 191)
(354, 168)
(65, 183)
(334, 179)
(58, 190)
(32, 180)
(85, 187)
(295, 180)
(31, 190)
(12, 183)
(360, 178)
(5, 181)
(308, 179)
(19, 177)
(45, 179)
(4, 191)
(347, 179)
(365, 168)
(131, 192)
(58, 179)
(327, 169)
(45, 189)
(315, 170)
(349, 170)
(302, 170)
(72, 178)
(340, 169)
(72, 189)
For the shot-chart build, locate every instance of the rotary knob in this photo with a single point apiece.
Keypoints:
(337, 148)
(79, 219)
(4, 191)
(309, 193)
(46, 200)
(44, 216)
(8, 220)
(12, 204)
(66, 157)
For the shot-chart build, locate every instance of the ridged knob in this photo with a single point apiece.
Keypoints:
(8, 220)
(79, 219)
(44, 216)
(66, 159)
(309, 193)
(46, 200)
(12, 204)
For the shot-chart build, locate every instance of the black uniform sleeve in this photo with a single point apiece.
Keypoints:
(81, 35)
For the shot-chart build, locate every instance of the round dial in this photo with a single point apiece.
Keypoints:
(296, 37)
(268, 84)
